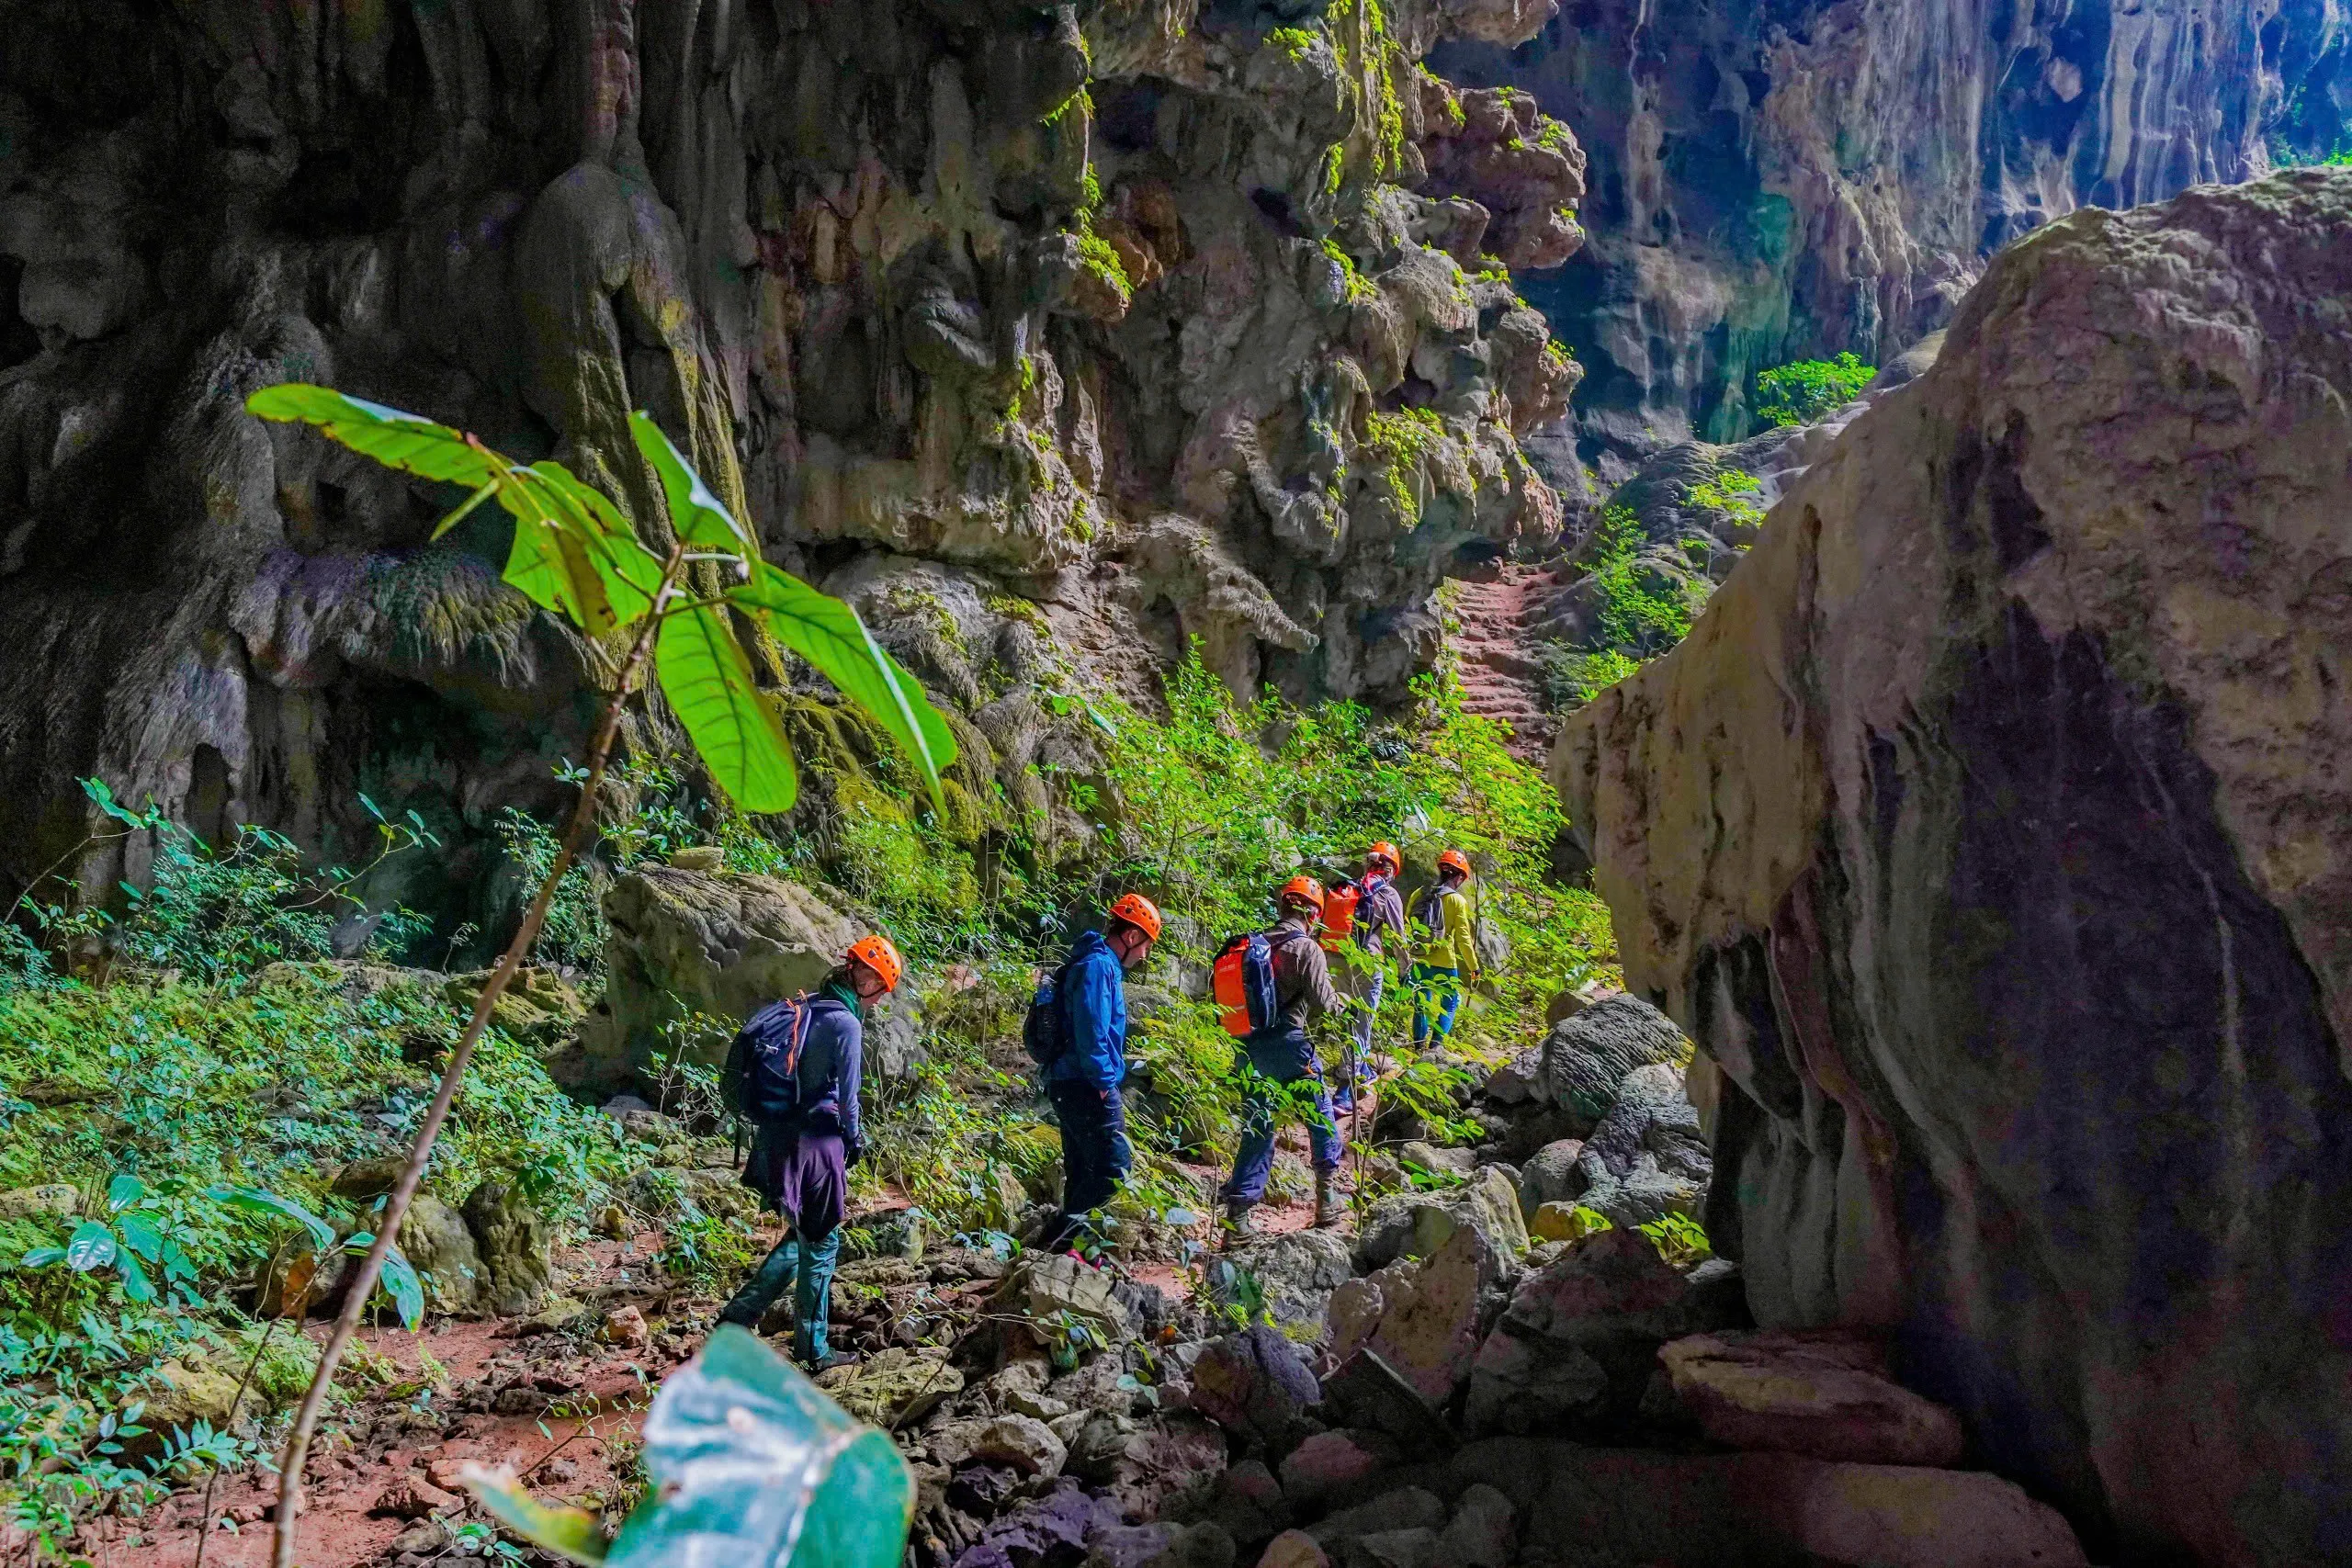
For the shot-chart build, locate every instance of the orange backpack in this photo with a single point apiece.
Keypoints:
(1340, 915)
(1242, 982)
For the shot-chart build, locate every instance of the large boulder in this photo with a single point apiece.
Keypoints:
(1824, 1392)
(1421, 1317)
(1647, 1159)
(1256, 1385)
(1620, 1508)
(1578, 1341)
(1295, 1271)
(1586, 1057)
(1415, 1225)
(514, 1241)
(1552, 1177)
(1049, 1292)
(436, 1240)
(1986, 833)
(721, 943)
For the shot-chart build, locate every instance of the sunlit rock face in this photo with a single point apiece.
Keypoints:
(1781, 179)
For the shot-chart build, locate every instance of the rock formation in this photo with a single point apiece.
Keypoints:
(1986, 836)
(1150, 322)
(1773, 182)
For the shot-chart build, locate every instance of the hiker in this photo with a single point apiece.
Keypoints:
(1449, 955)
(793, 1071)
(1378, 922)
(1079, 1033)
(1281, 1054)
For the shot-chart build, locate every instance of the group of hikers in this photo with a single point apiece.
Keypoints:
(794, 1070)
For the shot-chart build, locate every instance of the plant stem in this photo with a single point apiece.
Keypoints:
(363, 1284)
(212, 1481)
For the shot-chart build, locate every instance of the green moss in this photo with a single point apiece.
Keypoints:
(1554, 135)
(1080, 100)
(1360, 289)
(1096, 255)
(1295, 43)
(1401, 443)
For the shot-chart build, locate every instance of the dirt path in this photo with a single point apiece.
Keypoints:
(1500, 676)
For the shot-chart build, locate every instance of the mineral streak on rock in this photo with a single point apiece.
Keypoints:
(1986, 836)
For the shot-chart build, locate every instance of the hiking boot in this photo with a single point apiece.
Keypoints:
(1328, 1205)
(1239, 1221)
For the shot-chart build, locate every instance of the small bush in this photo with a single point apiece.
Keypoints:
(1802, 392)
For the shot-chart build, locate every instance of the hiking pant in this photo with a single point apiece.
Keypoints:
(1096, 1156)
(1433, 985)
(1283, 1060)
(804, 1177)
(1359, 1064)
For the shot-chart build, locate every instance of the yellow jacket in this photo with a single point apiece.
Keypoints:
(1454, 944)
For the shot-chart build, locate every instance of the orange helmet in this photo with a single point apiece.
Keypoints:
(876, 954)
(1301, 890)
(1387, 851)
(1139, 912)
(1455, 860)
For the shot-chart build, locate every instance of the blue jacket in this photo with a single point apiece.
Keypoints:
(831, 1059)
(1094, 992)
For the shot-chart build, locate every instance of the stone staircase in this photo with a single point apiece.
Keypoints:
(1500, 676)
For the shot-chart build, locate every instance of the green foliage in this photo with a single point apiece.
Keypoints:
(1295, 43)
(1681, 1240)
(1802, 392)
(707, 1255)
(1639, 613)
(575, 553)
(1358, 288)
(1399, 444)
(1573, 676)
(1097, 256)
(1728, 494)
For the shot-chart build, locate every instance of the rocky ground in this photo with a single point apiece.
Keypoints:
(1496, 1369)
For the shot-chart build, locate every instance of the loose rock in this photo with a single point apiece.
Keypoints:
(1825, 1394)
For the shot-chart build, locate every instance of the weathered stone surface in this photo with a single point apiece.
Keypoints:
(1586, 1057)
(1484, 1530)
(1329, 1464)
(1623, 1507)
(1985, 835)
(1825, 1394)
(1415, 1225)
(538, 1006)
(1521, 1383)
(1551, 1176)
(1421, 1317)
(58, 1197)
(180, 1393)
(1369, 1392)
(895, 1387)
(1647, 1159)
(1145, 1467)
(1203, 1545)
(513, 1239)
(1403, 1508)
(434, 1238)
(1043, 1286)
(1298, 1269)
(1895, 148)
(714, 942)
(1022, 1441)
(1257, 1386)
(1294, 1549)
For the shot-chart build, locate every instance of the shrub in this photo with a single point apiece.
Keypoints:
(1800, 392)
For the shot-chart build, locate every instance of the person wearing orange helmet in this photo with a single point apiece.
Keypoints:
(1449, 955)
(1078, 1032)
(1280, 1053)
(793, 1074)
(1379, 931)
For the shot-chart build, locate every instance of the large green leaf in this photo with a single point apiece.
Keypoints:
(700, 517)
(829, 635)
(90, 1247)
(707, 678)
(574, 1533)
(755, 1467)
(572, 554)
(257, 1201)
(398, 1279)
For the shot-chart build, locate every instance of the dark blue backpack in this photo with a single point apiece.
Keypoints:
(763, 1074)
(1045, 1031)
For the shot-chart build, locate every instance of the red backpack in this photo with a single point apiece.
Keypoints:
(1242, 981)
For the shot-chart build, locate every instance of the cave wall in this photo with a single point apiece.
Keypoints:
(1782, 179)
(1986, 834)
(1122, 324)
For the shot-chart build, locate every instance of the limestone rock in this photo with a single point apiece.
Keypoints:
(1629, 1506)
(1586, 1057)
(723, 943)
(1043, 1286)
(371, 1177)
(1563, 1222)
(1825, 1394)
(1415, 1225)
(1483, 1532)
(1646, 1159)
(1551, 1176)
(1023, 1442)
(1257, 1386)
(1296, 1270)
(181, 1394)
(1293, 1549)
(514, 1241)
(1422, 1317)
(436, 1240)
(59, 1198)
(2000, 899)
(1399, 1508)
(1143, 1466)
(1204, 1545)
(1329, 1464)
(537, 1005)
(895, 1387)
